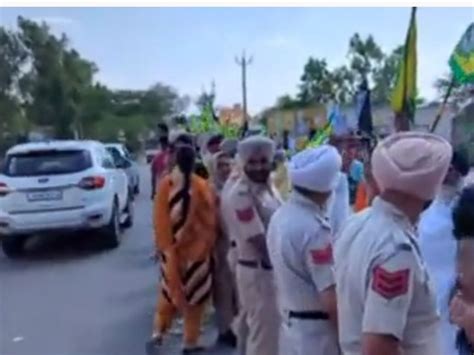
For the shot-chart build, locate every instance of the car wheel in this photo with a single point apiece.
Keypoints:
(129, 210)
(13, 247)
(111, 233)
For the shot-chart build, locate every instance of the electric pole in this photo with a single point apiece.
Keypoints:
(243, 62)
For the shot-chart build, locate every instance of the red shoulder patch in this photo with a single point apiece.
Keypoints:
(322, 256)
(390, 284)
(245, 215)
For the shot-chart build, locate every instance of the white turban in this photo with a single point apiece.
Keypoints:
(255, 145)
(316, 169)
(229, 146)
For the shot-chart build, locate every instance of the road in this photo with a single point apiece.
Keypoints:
(69, 297)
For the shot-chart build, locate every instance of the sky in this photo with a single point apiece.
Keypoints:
(188, 48)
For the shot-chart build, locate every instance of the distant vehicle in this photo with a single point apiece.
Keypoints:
(151, 149)
(122, 156)
(62, 186)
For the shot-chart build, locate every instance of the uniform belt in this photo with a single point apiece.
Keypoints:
(255, 264)
(309, 315)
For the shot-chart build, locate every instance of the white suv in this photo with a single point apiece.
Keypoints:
(62, 186)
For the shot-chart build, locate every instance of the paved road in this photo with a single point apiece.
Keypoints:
(69, 297)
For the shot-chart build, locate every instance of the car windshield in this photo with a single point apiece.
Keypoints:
(49, 162)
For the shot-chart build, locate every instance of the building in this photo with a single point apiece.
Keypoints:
(231, 115)
(299, 121)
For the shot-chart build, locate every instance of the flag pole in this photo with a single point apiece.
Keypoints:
(443, 105)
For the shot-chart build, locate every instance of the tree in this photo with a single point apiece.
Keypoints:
(316, 83)
(384, 77)
(365, 56)
(287, 102)
(161, 102)
(207, 98)
(45, 82)
(366, 60)
(57, 80)
(459, 95)
(343, 84)
(96, 104)
(12, 59)
(204, 100)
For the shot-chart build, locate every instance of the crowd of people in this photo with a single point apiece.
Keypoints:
(296, 259)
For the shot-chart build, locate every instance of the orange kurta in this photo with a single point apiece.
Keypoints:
(186, 242)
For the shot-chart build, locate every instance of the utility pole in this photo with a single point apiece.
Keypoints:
(243, 62)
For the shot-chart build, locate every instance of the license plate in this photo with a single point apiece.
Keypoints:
(53, 195)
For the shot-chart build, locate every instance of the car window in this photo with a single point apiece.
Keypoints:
(127, 153)
(115, 153)
(107, 160)
(48, 162)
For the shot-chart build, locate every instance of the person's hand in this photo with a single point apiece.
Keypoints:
(180, 300)
(458, 310)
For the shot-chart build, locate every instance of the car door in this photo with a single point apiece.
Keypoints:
(118, 177)
(133, 170)
(118, 156)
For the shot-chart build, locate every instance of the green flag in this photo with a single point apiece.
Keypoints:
(462, 59)
(404, 92)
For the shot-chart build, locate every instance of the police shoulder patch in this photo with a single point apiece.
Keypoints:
(390, 284)
(322, 256)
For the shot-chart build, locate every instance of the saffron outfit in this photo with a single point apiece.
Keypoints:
(185, 233)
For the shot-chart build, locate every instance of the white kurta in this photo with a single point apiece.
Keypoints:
(339, 208)
(438, 247)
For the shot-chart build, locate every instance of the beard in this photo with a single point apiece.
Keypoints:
(259, 177)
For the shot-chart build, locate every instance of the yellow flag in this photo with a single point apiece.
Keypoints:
(404, 92)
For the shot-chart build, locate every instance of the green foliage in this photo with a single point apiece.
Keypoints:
(110, 127)
(366, 60)
(316, 82)
(45, 82)
(12, 58)
(365, 56)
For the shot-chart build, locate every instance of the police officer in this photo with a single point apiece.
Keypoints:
(301, 254)
(239, 324)
(386, 300)
(251, 202)
(223, 290)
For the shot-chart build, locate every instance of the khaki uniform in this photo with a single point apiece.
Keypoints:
(301, 255)
(224, 288)
(226, 204)
(250, 211)
(226, 209)
(383, 285)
